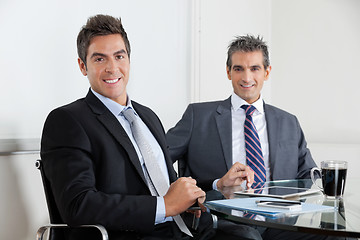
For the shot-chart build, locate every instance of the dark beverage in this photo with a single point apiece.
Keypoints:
(333, 180)
(333, 175)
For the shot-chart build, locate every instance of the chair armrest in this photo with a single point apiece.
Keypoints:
(41, 231)
(215, 221)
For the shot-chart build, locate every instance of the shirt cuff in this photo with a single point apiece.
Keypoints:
(160, 210)
(214, 186)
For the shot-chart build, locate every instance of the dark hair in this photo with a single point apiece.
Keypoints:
(248, 43)
(99, 25)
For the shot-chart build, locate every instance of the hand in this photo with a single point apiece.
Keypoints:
(236, 175)
(181, 195)
(197, 212)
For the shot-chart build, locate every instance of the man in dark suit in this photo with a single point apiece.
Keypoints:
(91, 157)
(210, 136)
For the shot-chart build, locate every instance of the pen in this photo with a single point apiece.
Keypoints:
(274, 201)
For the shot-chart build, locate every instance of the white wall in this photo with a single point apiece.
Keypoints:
(39, 60)
(315, 58)
(22, 200)
(218, 24)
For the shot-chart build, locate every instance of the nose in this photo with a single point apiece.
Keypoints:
(111, 67)
(246, 76)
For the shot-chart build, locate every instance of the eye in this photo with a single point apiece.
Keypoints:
(99, 59)
(119, 57)
(255, 68)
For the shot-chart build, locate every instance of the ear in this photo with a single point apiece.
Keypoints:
(82, 67)
(228, 72)
(267, 73)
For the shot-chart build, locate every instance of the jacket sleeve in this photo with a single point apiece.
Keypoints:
(178, 137)
(306, 162)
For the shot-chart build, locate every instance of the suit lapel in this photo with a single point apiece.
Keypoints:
(114, 128)
(223, 122)
(272, 131)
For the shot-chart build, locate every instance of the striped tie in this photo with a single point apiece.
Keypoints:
(254, 157)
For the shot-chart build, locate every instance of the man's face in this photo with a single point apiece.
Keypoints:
(247, 74)
(108, 67)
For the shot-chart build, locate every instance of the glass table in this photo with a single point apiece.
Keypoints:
(344, 221)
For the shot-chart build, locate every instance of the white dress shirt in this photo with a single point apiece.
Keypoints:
(238, 138)
(238, 117)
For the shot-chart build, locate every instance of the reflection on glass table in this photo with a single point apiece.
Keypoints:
(343, 221)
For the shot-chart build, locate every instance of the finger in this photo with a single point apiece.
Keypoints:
(201, 200)
(191, 180)
(239, 167)
(252, 175)
(199, 196)
(250, 181)
(249, 170)
(187, 180)
(242, 174)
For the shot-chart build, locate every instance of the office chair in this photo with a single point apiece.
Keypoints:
(56, 221)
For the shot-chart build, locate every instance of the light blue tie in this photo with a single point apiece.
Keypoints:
(254, 156)
(157, 182)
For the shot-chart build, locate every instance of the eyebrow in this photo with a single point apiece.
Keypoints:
(122, 51)
(96, 54)
(237, 66)
(256, 65)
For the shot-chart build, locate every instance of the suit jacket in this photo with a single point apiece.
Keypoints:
(93, 168)
(203, 139)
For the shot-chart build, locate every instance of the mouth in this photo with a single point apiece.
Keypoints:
(247, 85)
(112, 81)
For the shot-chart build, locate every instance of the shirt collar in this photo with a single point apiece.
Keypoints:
(237, 102)
(114, 107)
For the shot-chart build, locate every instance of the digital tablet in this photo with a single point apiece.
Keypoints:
(278, 192)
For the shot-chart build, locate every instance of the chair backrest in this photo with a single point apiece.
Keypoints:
(59, 230)
(54, 214)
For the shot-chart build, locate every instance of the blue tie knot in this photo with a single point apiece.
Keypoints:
(249, 109)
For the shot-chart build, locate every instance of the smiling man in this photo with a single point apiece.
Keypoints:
(99, 152)
(247, 74)
(218, 139)
(107, 67)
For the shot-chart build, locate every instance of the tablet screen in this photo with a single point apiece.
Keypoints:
(285, 191)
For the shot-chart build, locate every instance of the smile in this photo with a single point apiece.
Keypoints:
(247, 86)
(112, 80)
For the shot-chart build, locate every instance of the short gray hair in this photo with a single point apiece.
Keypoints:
(248, 43)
